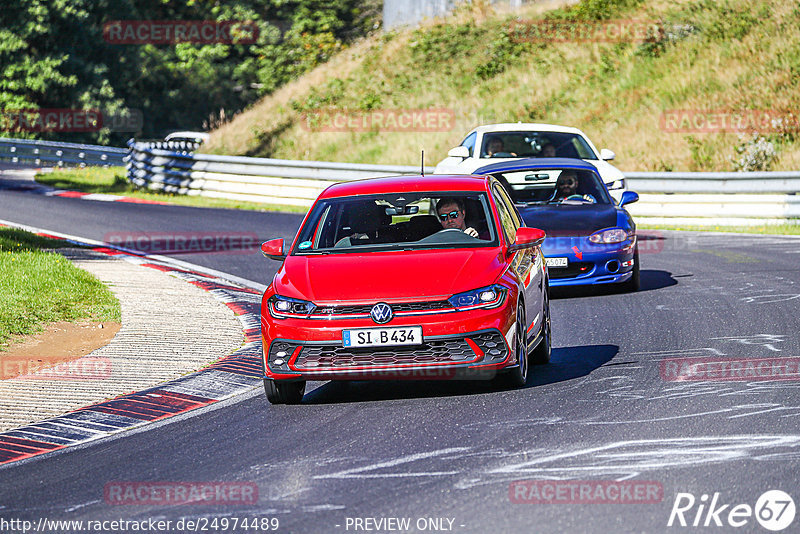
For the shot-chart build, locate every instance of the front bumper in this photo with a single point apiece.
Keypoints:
(472, 356)
(471, 344)
(592, 264)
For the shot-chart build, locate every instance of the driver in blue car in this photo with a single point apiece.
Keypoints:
(452, 215)
(567, 188)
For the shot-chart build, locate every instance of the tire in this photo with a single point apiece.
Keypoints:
(541, 354)
(634, 283)
(518, 376)
(284, 392)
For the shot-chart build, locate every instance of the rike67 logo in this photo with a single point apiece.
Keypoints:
(774, 510)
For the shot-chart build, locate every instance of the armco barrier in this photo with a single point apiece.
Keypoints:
(714, 182)
(698, 198)
(703, 198)
(272, 181)
(57, 154)
(716, 198)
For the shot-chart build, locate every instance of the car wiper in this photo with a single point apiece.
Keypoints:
(411, 245)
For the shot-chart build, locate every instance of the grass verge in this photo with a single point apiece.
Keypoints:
(768, 229)
(732, 56)
(112, 181)
(39, 287)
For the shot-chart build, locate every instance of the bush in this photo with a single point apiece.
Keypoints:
(754, 154)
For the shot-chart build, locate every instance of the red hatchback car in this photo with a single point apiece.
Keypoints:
(406, 277)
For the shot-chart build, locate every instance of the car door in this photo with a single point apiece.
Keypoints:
(526, 264)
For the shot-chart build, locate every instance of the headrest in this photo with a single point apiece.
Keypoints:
(368, 217)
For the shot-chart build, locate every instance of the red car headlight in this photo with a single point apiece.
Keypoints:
(284, 307)
(484, 297)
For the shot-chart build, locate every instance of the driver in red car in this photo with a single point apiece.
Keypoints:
(453, 215)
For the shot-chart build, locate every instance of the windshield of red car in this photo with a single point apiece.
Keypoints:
(405, 221)
(535, 145)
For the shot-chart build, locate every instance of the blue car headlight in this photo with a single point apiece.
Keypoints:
(485, 297)
(609, 235)
(282, 307)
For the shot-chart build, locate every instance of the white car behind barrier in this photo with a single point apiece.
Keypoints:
(495, 143)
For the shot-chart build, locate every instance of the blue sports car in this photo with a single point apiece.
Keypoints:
(590, 239)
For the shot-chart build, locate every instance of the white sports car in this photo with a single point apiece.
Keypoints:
(495, 143)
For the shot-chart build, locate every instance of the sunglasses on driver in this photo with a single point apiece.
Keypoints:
(453, 215)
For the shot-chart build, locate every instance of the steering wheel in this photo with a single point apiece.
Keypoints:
(448, 230)
(502, 155)
(583, 198)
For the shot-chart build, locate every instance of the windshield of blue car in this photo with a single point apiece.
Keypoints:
(535, 145)
(397, 221)
(555, 186)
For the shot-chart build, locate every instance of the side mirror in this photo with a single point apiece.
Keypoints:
(273, 249)
(459, 152)
(527, 238)
(607, 155)
(628, 197)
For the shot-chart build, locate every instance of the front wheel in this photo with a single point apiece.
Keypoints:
(518, 376)
(541, 354)
(634, 282)
(284, 392)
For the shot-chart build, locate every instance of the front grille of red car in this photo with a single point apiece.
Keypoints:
(450, 350)
(492, 345)
(402, 307)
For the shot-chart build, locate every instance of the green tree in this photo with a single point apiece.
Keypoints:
(53, 55)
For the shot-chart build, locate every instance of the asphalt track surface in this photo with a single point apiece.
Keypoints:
(602, 410)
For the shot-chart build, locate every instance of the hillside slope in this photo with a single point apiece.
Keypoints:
(730, 55)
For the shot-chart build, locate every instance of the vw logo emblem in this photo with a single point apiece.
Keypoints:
(381, 313)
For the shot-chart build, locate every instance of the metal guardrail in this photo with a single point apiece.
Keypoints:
(272, 181)
(706, 198)
(714, 182)
(57, 154)
(716, 198)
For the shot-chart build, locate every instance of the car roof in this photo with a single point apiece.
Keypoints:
(187, 135)
(406, 183)
(524, 126)
(537, 163)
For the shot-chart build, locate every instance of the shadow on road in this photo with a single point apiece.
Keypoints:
(651, 280)
(566, 363)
